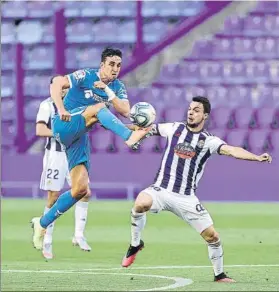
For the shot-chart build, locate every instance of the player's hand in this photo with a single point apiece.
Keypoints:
(265, 158)
(100, 84)
(65, 115)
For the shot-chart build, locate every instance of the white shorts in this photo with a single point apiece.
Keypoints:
(55, 171)
(188, 208)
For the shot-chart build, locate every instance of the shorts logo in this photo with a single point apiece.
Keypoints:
(200, 208)
(88, 93)
(184, 150)
(157, 189)
(200, 143)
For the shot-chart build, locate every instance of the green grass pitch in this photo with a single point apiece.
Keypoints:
(173, 253)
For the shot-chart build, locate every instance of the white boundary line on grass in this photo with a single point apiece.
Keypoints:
(178, 282)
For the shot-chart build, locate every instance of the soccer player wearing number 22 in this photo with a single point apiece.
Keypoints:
(85, 104)
(188, 148)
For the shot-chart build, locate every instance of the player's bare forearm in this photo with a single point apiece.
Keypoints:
(42, 130)
(56, 90)
(240, 153)
(121, 106)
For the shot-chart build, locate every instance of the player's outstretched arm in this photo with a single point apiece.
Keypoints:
(121, 105)
(240, 153)
(56, 92)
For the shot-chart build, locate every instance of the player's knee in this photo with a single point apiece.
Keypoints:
(88, 194)
(210, 235)
(52, 198)
(79, 191)
(143, 203)
(96, 108)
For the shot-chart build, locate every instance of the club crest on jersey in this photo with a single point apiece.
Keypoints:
(80, 74)
(184, 150)
(200, 143)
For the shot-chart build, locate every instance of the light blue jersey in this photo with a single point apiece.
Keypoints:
(83, 93)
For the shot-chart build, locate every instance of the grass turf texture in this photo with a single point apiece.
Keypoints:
(249, 232)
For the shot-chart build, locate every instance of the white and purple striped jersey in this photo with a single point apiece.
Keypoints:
(46, 112)
(177, 173)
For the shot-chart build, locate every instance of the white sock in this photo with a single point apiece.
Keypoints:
(138, 221)
(215, 252)
(80, 218)
(49, 230)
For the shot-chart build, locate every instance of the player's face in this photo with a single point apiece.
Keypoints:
(111, 67)
(196, 114)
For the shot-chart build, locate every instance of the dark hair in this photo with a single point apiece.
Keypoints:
(110, 52)
(51, 80)
(205, 102)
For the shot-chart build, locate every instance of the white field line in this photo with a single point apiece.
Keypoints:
(178, 282)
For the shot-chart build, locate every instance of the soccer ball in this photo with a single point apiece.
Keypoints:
(142, 114)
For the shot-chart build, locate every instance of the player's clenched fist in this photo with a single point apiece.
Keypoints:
(65, 115)
(100, 84)
(265, 157)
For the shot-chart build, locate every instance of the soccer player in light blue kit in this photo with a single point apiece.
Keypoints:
(90, 93)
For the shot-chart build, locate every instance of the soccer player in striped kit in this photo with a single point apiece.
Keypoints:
(55, 171)
(188, 148)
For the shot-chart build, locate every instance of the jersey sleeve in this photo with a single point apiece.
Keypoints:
(78, 78)
(122, 92)
(163, 130)
(44, 113)
(214, 144)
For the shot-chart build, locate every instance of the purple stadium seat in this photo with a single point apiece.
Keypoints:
(7, 33)
(48, 32)
(218, 95)
(192, 91)
(271, 24)
(175, 114)
(266, 6)
(257, 71)
(244, 117)
(7, 56)
(43, 86)
(14, 9)
(211, 72)
(109, 31)
(257, 140)
(149, 8)
(233, 26)
(121, 8)
(168, 8)
(88, 57)
(274, 139)
(152, 94)
(127, 32)
(94, 8)
(221, 48)
(236, 73)
(7, 85)
(101, 140)
(71, 58)
(31, 109)
(39, 57)
(236, 137)
(154, 30)
(29, 86)
(72, 8)
(201, 49)
(265, 48)
(7, 109)
(221, 117)
(134, 93)
(40, 8)
(265, 117)
(169, 74)
(274, 72)
(79, 31)
(7, 134)
(243, 47)
(253, 25)
(220, 133)
(190, 8)
(190, 73)
(174, 96)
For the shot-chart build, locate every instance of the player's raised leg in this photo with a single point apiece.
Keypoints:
(81, 211)
(101, 113)
(142, 204)
(216, 254)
